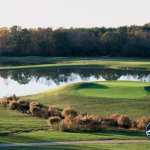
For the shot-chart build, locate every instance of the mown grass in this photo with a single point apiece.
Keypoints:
(14, 121)
(54, 136)
(113, 90)
(63, 96)
(133, 146)
(58, 62)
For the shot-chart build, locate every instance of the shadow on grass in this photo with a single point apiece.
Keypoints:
(92, 86)
(147, 88)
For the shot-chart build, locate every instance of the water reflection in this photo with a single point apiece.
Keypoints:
(25, 82)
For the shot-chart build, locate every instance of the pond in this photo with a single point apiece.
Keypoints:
(25, 82)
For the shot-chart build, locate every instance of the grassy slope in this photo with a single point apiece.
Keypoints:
(47, 62)
(139, 146)
(67, 96)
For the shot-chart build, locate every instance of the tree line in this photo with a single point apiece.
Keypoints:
(128, 41)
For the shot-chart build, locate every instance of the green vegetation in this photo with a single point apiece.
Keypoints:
(19, 127)
(124, 41)
(59, 62)
(136, 146)
(52, 136)
(14, 121)
(66, 96)
(112, 89)
(37, 128)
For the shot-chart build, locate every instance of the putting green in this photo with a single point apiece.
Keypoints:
(113, 89)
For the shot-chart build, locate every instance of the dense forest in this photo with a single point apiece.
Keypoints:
(132, 41)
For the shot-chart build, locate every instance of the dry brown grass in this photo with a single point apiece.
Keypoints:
(14, 105)
(142, 122)
(36, 104)
(68, 111)
(4, 102)
(134, 124)
(54, 122)
(115, 117)
(81, 123)
(38, 110)
(52, 111)
(124, 121)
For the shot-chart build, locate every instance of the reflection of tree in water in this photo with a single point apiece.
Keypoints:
(70, 74)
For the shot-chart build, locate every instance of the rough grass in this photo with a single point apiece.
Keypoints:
(55, 62)
(137, 146)
(66, 96)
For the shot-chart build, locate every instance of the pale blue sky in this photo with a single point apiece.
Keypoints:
(74, 13)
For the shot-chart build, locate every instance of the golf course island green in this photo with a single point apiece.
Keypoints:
(113, 90)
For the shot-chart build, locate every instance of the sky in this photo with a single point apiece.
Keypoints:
(73, 13)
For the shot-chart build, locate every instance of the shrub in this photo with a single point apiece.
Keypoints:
(115, 117)
(35, 111)
(80, 123)
(4, 102)
(68, 124)
(54, 122)
(36, 104)
(105, 122)
(24, 105)
(88, 123)
(52, 111)
(13, 105)
(69, 112)
(134, 124)
(124, 121)
(38, 111)
(44, 113)
(142, 122)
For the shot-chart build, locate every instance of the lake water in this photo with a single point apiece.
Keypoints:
(25, 82)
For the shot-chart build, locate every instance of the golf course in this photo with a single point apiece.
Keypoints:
(100, 98)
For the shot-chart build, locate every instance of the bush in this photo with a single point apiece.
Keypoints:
(107, 122)
(52, 111)
(36, 104)
(14, 105)
(4, 102)
(80, 123)
(142, 122)
(54, 122)
(35, 111)
(38, 110)
(124, 121)
(24, 105)
(69, 112)
(115, 117)
(44, 113)
(68, 124)
(134, 124)
(88, 123)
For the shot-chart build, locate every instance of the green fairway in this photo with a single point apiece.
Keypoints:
(58, 62)
(53, 136)
(113, 89)
(133, 146)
